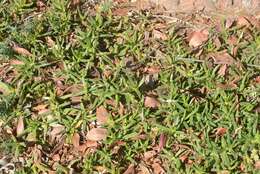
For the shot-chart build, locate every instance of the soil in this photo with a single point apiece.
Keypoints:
(229, 6)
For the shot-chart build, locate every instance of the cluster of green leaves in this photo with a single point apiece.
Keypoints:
(97, 43)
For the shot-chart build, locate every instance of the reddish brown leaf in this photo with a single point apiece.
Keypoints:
(257, 165)
(75, 140)
(222, 58)
(221, 131)
(97, 134)
(217, 43)
(222, 70)
(121, 110)
(183, 158)
(16, 62)
(232, 40)
(257, 79)
(242, 167)
(130, 169)
(102, 115)
(243, 22)
(159, 35)
(151, 102)
(149, 154)
(152, 70)
(40, 5)
(157, 168)
(19, 50)
(49, 41)
(20, 126)
(229, 22)
(74, 3)
(198, 38)
(162, 141)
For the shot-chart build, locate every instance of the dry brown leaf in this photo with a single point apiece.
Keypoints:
(102, 115)
(19, 50)
(229, 85)
(16, 62)
(74, 3)
(55, 132)
(243, 22)
(97, 134)
(151, 102)
(183, 158)
(157, 168)
(232, 40)
(75, 140)
(222, 58)
(162, 141)
(229, 22)
(49, 41)
(257, 79)
(221, 131)
(222, 70)
(152, 69)
(20, 126)
(242, 167)
(40, 5)
(130, 169)
(149, 154)
(257, 165)
(198, 38)
(143, 169)
(217, 43)
(159, 35)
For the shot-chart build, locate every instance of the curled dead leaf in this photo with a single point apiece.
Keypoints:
(222, 70)
(158, 169)
(49, 41)
(222, 58)
(257, 165)
(130, 169)
(151, 102)
(75, 140)
(102, 115)
(16, 62)
(152, 69)
(159, 35)
(198, 38)
(20, 126)
(19, 50)
(149, 154)
(243, 22)
(221, 131)
(97, 134)
(162, 141)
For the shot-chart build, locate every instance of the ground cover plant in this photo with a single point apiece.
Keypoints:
(93, 88)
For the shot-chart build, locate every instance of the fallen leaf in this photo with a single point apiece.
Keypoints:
(221, 131)
(152, 70)
(217, 43)
(157, 168)
(183, 158)
(20, 126)
(74, 3)
(222, 58)
(19, 50)
(159, 35)
(222, 70)
(55, 132)
(97, 134)
(198, 38)
(143, 169)
(56, 157)
(130, 169)
(50, 42)
(75, 140)
(257, 79)
(121, 110)
(232, 40)
(257, 165)
(151, 102)
(229, 22)
(40, 5)
(149, 154)
(242, 167)
(102, 115)
(229, 85)
(16, 62)
(162, 141)
(243, 22)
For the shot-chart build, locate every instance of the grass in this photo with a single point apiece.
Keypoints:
(95, 58)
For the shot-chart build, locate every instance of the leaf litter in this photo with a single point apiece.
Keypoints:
(224, 53)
